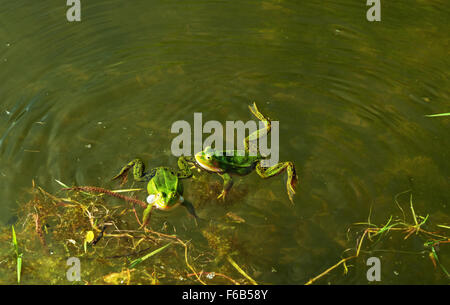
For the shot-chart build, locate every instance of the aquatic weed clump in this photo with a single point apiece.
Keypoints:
(105, 235)
(390, 239)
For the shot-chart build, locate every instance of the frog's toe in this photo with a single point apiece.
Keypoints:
(123, 178)
(254, 109)
(290, 192)
(291, 186)
(257, 113)
(195, 167)
(222, 195)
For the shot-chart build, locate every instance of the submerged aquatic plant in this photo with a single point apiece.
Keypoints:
(141, 259)
(110, 243)
(432, 239)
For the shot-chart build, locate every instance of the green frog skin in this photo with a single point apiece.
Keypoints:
(164, 186)
(241, 163)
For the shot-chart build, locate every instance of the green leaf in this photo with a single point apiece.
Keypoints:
(140, 260)
(19, 256)
(60, 183)
(437, 114)
(439, 263)
(89, 237)
(14, 241)
(19, 267)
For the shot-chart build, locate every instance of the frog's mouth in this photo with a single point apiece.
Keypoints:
(206, 166)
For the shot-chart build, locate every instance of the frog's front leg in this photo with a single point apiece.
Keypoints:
(184, 165)
(267, 172)
(191, 210)
(138, 172)
(146, 215)
(227, 184)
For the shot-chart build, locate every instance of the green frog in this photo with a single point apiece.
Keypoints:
(226, 163)
(164, 187)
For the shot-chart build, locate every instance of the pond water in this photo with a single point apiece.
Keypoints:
(78, 100)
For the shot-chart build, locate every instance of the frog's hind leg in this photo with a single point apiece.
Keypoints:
(227, 184)
(267, 172)
(184, 165)
(138, 172)
(260, 132)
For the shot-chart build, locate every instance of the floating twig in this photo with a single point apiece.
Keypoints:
(96, 189)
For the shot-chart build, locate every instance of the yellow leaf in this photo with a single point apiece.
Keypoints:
(89, 236)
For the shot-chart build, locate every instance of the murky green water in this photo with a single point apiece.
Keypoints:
(79, 100)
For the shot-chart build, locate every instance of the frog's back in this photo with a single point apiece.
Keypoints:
(237, 162)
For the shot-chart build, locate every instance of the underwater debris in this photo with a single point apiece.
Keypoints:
(38, 228)
(108, 241)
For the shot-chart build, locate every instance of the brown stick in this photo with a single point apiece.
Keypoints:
(96, 189)
(39, 232)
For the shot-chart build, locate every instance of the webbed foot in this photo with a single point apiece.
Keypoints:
(256, 113)
(138, 172)
(222, 195)
(227, 184)
(122, 175)
(291, 183)
(249, 142)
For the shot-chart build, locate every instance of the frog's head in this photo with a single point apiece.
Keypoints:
(209, 160)
(165, 200)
